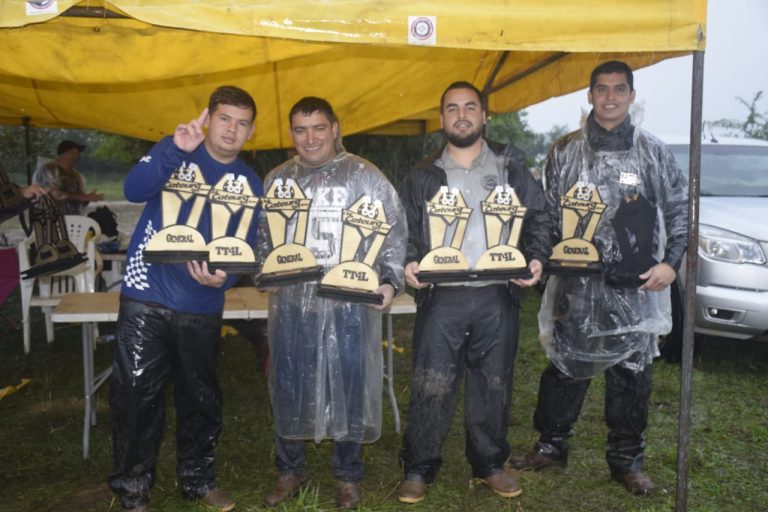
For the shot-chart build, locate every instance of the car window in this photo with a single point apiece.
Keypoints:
(729, 170)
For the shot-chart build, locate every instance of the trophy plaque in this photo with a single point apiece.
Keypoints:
(55, 252)
(502, 260)
(179, 243)
(232, 254)
(446, 263)
(581, 208)
(364, 223)
(287, 262)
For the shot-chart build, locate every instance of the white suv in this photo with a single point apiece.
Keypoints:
(732, 278)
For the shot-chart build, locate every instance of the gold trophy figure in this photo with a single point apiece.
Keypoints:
(179, 243)
(446, 263)
(502, 260)
(581, 207)
(365, 222)
(288, 261)
(232, 254)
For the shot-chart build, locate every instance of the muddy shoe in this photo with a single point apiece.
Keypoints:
(287, 486)
(412, 490)
(635, 482)
(348, 494)
(502, 483)
(218, 499)
(536, 460)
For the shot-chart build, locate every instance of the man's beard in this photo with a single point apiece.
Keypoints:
(464, 141)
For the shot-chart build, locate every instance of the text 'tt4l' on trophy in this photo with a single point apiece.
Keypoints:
(179, 243)
(365, 226)
(232, 254)
(502, 260)
(581, 208)
(287, 208)
(446, 263)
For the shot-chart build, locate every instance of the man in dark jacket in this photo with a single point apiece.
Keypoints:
(466, 326)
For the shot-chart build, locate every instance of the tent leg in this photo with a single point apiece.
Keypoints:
(28, 150)
(686, 367)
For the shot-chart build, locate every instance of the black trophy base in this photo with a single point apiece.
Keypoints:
(233, 267)
(454, 276)
(558, 268)
(349, 295)
(289, 277)
(446, 276)
(504, 274)
(54, 267)
(172, 257)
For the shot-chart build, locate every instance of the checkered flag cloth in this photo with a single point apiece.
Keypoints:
(136, 270)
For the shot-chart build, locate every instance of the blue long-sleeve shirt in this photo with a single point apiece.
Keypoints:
(170, 284)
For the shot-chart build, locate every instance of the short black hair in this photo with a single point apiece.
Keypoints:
(462, 85)
(612, 66)
(231, 95)
(309, 104)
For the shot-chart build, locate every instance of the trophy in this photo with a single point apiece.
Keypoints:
(55, 252)
(365, 224)
(502, 260)
(178, 243)
(581, 208)
(232, 254)
(446, 263)
(287, 262)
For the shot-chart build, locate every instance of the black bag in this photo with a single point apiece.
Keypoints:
(107, 220)
(635, 223)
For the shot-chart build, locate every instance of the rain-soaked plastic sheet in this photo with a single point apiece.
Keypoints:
(326, 372)
(585, 324)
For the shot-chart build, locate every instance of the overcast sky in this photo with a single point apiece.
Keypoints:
(735, 65)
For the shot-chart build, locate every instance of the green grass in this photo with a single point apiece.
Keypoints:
(41, 468)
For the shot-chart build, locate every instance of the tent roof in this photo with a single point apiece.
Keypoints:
(154, 64)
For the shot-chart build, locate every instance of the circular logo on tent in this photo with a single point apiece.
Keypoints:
(40, 4)
(422, 28)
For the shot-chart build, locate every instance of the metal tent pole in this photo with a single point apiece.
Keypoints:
(686, 367)
(27, 151)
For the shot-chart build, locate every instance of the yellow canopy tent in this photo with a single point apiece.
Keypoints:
(139, 67)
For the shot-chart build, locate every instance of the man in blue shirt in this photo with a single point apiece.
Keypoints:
(170, 314)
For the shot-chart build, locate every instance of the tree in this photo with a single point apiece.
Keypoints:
(542, 142)
(754, 126)
(124, 151)
(107, 153)
(396, 155)
(13, 149)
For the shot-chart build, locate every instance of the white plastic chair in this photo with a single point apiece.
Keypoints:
(81, 278)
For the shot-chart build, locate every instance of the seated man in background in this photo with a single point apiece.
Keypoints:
(64, 181)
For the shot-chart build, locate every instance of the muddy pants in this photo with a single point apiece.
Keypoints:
(469, 333)
(627, 394)
(156, 344)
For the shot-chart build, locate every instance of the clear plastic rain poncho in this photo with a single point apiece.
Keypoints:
(586, 325)
(326, 368)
